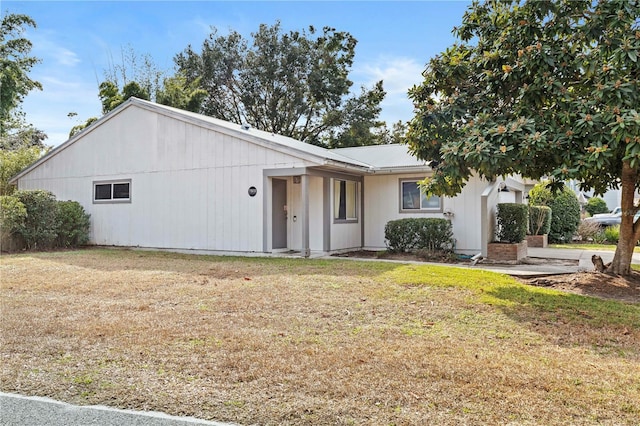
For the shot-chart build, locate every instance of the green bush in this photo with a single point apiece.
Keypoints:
(13, 161)
(565, 211)
(539, 220)
(412, 234)
(73, 228)
(612, 234)
(12, 216)
(596, 205)
(40, 228)
(512, 222)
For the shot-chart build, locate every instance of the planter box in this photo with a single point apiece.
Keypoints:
(502, 252)
(537, 240)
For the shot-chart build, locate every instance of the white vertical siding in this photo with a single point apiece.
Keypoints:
(346, 235)
(382, 204)
(188, 183)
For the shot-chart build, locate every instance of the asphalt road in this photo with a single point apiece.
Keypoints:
(17, 410)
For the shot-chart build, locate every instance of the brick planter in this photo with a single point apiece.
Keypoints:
(537, 240)
(500, 252)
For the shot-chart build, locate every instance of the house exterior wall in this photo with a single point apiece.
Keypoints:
(346, 235)
(189, 184)
(382, 204)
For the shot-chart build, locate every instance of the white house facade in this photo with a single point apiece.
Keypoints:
(158, 177)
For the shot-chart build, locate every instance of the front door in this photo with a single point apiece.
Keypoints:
(279, 214)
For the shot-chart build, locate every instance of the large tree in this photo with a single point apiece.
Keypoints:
(15, 83)
(295, 83)
(539, 88)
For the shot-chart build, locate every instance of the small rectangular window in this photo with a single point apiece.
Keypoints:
(345, 196)
(413, 199)
(121, 190)
(103, 191)
(112, 192)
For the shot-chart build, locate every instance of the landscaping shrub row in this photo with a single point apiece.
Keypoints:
(35, 220)
(413, 234)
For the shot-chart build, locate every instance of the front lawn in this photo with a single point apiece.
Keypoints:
(313, 342)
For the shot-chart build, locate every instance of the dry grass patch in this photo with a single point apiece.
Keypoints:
(290, 341)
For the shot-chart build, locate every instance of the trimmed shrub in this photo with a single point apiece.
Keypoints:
(12, 216)
(73, 228)
(411, 234)
(612, 234)
(539, 220)
(596, 205)
(565, 211)
(512, 222)
(40, 227)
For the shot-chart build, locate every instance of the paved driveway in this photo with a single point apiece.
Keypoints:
(17, 410)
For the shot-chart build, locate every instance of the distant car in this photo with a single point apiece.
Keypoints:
(609, 219)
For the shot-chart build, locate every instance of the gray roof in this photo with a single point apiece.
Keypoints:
(382, 156)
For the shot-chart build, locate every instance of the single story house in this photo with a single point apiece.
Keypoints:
(159, 177)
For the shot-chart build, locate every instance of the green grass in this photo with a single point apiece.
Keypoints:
(521, 300)
(313, 342)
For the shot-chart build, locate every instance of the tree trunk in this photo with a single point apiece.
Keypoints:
(629, 232)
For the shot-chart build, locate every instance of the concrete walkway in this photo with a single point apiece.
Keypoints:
(537, 267)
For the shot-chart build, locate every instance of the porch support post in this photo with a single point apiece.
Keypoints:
(306, 252)
(326, 214)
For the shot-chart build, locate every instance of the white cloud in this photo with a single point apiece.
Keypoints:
(398, 75)
(53, 52)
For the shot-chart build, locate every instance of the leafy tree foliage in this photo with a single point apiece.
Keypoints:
(295, 84)
(39, 229)
(565, 210)
(12, 162)
(111, 97)
(538, 88)
(15, 83)
(178, 93)
(15, 64)
(12, 216)
(596, 205)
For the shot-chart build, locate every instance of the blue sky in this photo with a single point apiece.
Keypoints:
(78, 40)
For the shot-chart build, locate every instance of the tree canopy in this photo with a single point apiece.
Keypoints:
(15, 83)
(295, 84)
(541, 89)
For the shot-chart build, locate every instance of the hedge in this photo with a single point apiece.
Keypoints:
(36, 220)
(539, 220)
(411, 234)
(512, 222)
(565, 211)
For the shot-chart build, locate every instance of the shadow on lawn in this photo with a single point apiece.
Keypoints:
(572, 319)
(230, 267)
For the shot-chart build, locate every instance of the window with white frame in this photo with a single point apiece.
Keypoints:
(114, 191)
(345, 196)
(412, 199)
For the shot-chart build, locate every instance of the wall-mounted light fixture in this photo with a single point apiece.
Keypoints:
(252, 191)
